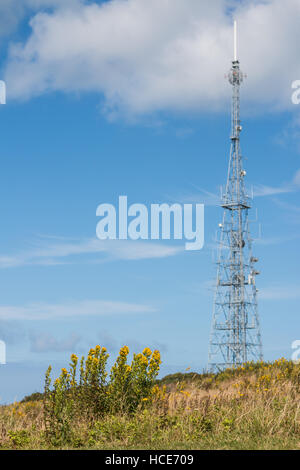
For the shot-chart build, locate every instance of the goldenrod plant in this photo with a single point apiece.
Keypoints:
(129, 386)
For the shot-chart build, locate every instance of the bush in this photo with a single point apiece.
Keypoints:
(93, 396)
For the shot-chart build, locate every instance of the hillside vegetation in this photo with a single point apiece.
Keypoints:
(256, 406)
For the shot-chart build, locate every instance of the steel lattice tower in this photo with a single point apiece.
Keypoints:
(235, 336)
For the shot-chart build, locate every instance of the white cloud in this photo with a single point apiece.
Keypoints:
(13, 11)
(201, 196)
(44, 342)
(64, 252)
(296, 180)
(288, 207)
(12, 332)
(276, 240)
(278, 292)
(289, 187)
(144, 56)
(44, 311)
(212, 199)
(262, 190)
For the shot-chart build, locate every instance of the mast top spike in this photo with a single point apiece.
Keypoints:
(235, 41)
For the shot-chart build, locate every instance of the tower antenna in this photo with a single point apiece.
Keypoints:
(235, 336)
(235, 42)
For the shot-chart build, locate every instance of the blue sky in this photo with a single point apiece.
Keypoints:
(65, 149)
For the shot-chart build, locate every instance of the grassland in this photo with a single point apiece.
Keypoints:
(253, 407)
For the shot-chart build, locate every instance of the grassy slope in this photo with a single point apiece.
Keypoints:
(254, 407)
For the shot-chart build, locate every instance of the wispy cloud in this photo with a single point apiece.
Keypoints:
(289, 187)
(290, 134)
(288, 206)
(46, 311)
(277, 292)
(12, 332)
(202, 197)
(45, 342)
(291, 211)
(113, 344)
(209, 198)
(276, 240)
(262, 190)
(198, 196)
(65, 251)
(203, 288)
(184, 132)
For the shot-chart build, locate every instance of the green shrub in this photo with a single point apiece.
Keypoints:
(129, 387)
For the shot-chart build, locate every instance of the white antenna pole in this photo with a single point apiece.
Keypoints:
(235, 41)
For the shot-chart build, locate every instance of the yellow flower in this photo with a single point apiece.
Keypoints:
(147, 352)
(156, 356)
(155, 389)
(143, 360)
(124, 351)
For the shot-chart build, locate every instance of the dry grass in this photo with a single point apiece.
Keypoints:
(250, 408)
